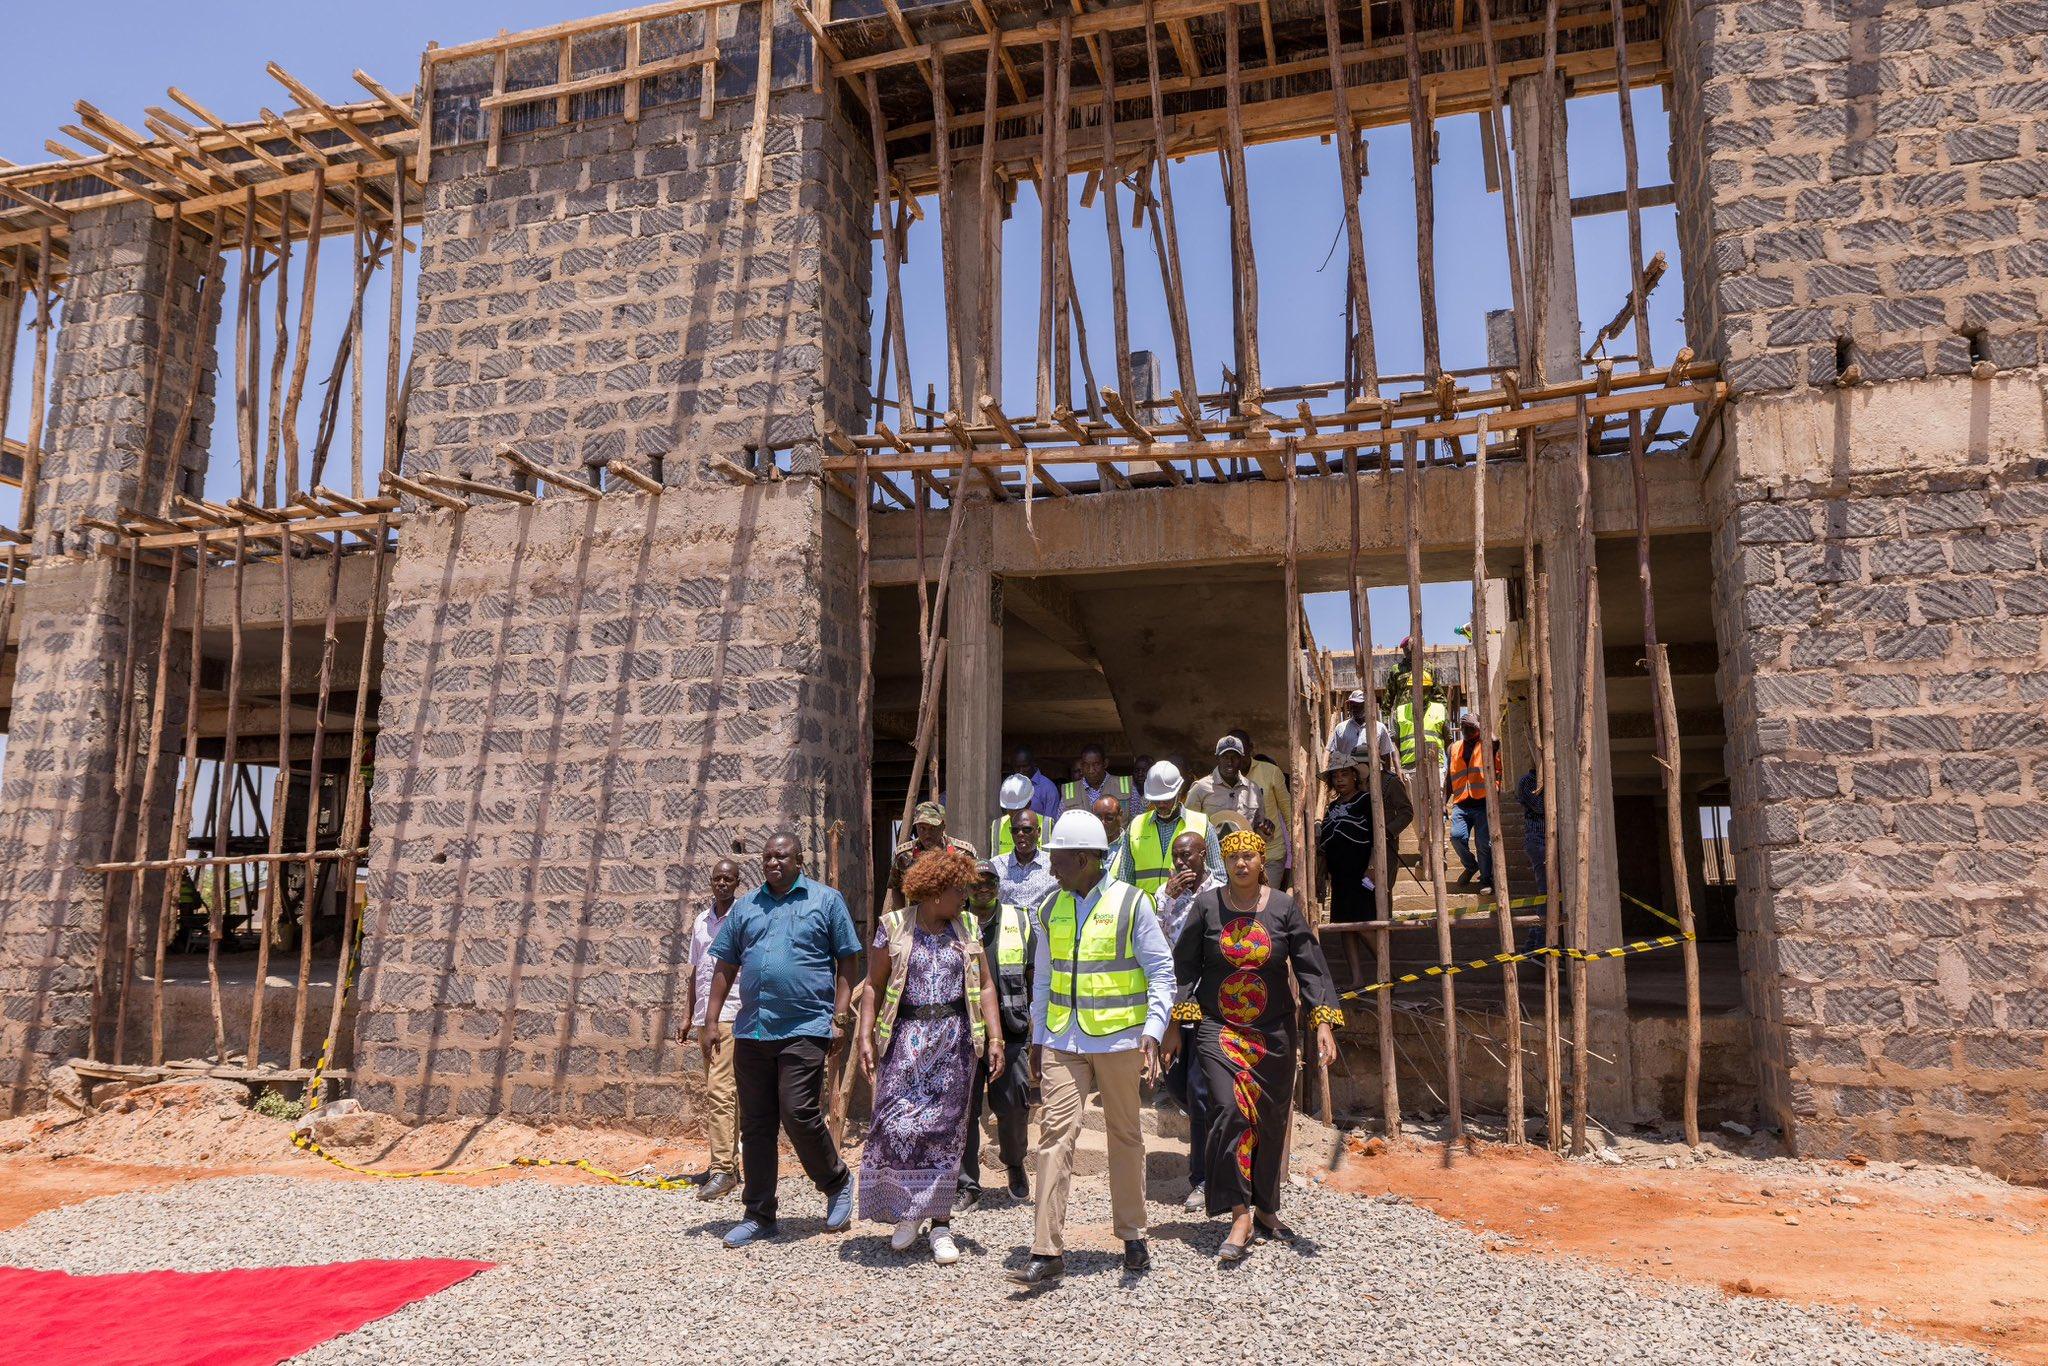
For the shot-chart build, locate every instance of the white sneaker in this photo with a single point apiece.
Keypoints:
(905, 1236)
(944, 1252)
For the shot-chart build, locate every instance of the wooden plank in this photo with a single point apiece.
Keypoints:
(764, 72)
(309, 100)
(629, 77)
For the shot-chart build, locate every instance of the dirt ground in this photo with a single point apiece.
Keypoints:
(1955, 1257)
(1951, 1255)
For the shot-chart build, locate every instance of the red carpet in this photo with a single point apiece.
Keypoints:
(247, 1317)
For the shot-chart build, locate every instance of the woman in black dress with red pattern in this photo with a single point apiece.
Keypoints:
(1231, 960)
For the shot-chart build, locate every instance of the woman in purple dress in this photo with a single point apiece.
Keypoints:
(928, 1013)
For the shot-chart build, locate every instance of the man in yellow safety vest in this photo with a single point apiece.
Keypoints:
(1009, 936)
(1101, 993)
(1147, 858)
(1093, 781)
(1014, 796)
(1436, 729)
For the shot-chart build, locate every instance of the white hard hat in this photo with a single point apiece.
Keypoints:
(1016, 792)
(1079, 830)
(1162, 784)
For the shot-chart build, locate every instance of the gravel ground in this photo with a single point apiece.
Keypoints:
(598, 1274)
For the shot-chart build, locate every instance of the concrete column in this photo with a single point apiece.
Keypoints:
(1545, 206)
(64, 724)
(977, 292)
(974, 679)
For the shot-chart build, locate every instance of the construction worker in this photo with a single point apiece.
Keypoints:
(1272, 784)
(1012, 797)
(1093, 781)
(1045, 794)
(1465, 791)
(1009, 937)
(1101, 995)
(927, 831)
(1146, 860)
(1347, 737)
(1025, 872)
(1403, 672)
(1232, 801)
(1436, 730)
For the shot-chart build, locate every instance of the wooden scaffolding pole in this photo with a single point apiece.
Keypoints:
(1428, 795)
(893, 324)
(1503, 896)
(1535, 587)
(271, 902)
(309, 883)
(1360, 334)
(1112, 174)
(1166, 233)
(1582, 814)
(181, 822)
(38, 386)
(1244, 257)
(302, 349)
(1375, 772)
(1422, 139)
(152, 762)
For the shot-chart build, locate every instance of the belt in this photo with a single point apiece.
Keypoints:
(938, 1011)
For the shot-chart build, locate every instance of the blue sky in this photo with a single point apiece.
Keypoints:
(136, 50)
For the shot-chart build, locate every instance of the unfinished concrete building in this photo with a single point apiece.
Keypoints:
(657, 543)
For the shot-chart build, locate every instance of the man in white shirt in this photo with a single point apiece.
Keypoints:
(1347, 741)
(1025, 873)
(721, 1111)
(1101, 994)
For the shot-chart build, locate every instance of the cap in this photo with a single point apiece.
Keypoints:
(1016, 792)
(1357, 695)
(985, 870)
(928, 813)
(1079, 830)
(1230, 744)
(1162, 784)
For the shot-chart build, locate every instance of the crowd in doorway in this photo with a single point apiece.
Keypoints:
(1125, 931)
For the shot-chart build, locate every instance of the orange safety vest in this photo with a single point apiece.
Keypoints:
(1468, 771)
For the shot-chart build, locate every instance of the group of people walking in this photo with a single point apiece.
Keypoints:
(1093, 962)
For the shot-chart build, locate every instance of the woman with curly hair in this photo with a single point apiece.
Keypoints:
(929, 1013)
(1231, 960)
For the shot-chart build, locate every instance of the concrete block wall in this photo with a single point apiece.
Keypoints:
(1861, 172)
(586, 703)
(1866, 183)
(56, 811)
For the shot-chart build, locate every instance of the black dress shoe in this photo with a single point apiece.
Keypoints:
(966, 1199)
(1137, 1256)
(1020, 1184)
(1040, 1271)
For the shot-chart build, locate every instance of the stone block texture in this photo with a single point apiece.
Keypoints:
(605, 293)
(1886, 677)
(586, 703)
(1861, 182)
(133, 291)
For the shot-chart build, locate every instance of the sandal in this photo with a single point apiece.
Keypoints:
(1231, 1253)
(1276, 1231)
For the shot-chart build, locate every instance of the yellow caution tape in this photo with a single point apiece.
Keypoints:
(304, 1141)
(1667, 918)
(1453, 969)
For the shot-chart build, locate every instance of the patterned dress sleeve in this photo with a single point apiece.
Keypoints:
(1311, 969)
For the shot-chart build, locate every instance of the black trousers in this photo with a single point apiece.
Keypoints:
(1186, 1080)
(1009, 1095)
(779, 1082)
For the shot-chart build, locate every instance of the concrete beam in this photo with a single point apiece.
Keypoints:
(1049, 609)
(263, 605)
(1209, 524)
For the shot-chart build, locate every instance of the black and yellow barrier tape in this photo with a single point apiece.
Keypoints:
(1452, 969)
(304, 1141)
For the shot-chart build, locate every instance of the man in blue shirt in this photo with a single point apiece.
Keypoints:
(792, 947)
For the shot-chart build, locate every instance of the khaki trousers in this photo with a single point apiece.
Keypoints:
(1066, 1081)
(721, 1109)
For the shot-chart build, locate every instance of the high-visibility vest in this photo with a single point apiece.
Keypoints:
(1433, 720)
(1013, 963)
(1151, 856)
(966, 932)
(1096, 977)
(1115, 785)
(1000, 840)
(1468, 772)
(1013, 936)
